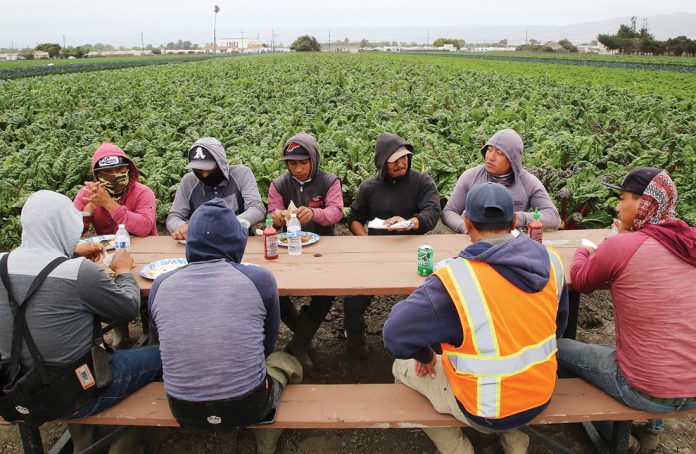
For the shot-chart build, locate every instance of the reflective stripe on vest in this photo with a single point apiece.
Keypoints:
(487, 365)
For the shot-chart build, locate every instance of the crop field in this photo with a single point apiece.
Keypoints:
(579, 128)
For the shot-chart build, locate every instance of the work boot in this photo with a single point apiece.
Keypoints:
(302, 339)
(83, 436)
(357, 346)
(120, 336)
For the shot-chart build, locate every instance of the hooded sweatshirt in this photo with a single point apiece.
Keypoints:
(527, 191)
(413, 195)
(137, 208)
(321, 191)
(651, 275)
(238, 190)
(61, 313)
(428, 316)
(217, 318)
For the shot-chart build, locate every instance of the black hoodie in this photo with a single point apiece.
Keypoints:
(413, 195)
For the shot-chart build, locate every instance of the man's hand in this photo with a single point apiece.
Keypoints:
(100, 197)
(426, 369)
(181, 232)
(89, 208)
(278, 218)
(90, 251)
(304, 214)
(394, 219)
(122, 262)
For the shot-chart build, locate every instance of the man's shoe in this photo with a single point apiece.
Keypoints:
(633, 445)
(357, 347)
(648, 440)
(302, 355)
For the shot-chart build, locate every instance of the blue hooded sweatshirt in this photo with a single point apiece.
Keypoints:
(217, 318)
(428, 316)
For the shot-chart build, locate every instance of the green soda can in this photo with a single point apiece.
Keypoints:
(425, 260)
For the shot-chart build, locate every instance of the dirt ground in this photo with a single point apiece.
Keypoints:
(334, 365)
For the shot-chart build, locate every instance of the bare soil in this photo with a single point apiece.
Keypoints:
(335, 365)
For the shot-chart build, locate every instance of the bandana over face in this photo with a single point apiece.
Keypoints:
(115, 184)
(658, 203)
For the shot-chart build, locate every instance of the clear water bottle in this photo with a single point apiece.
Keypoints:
(122, 239)
(294, 236)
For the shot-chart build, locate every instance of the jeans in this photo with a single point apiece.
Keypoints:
(130, 370)
(597, 365)
(353, 309)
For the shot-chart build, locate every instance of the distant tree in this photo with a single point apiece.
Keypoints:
(440, 42)
(394, 43)
(305, 43)
(533, 42)
(567, 45)
(156, 51)
(364, 43)
(186, 45)
(346, 41)
(27, 53)
(53, 49)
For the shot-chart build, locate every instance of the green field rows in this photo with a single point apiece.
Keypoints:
(579, 129)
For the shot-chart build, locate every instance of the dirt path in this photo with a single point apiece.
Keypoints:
(334, 365)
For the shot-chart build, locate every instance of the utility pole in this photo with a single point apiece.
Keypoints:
(242, 41)
(217, 10)
(63, 41)
(142, 43)
(329, 40)
(272, 40)
(258, 42)
(428, 43)
(11, 46)
(526, 41)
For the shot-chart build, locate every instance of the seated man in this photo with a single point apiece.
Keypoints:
(650, 269)
(396, 194)
(502, 157)
(213, 178)
(320, 206)
(62, 317)
(497, 311)
(116, 197)
(217, 321)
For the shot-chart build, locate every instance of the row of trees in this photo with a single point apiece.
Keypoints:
(630, 40)
(535, 46)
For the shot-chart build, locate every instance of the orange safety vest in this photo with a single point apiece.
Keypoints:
(507, 361)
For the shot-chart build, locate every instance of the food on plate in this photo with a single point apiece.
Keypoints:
(108, 244)
(305, 238)
(153, 273)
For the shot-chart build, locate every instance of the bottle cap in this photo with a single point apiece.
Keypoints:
(122, 226)
(293, 215)
(536, 215)
(269, 221)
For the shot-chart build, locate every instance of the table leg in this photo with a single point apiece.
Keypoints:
(31, 439)
(573, 308)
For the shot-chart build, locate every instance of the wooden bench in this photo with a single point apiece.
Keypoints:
(384, 406)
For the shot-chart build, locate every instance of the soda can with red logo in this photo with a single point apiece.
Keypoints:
(425, 260)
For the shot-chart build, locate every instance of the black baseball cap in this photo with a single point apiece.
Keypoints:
(294, 152)
(636, 181)
(489, 203)
(201, 159)
(108, 162)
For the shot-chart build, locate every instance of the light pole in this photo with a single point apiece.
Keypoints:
(217, 10)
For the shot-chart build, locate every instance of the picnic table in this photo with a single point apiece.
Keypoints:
(359, 265)
(351, 265)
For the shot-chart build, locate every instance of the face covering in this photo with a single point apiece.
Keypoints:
(213, 179)
(116, 185)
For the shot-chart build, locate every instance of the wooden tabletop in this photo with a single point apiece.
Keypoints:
(349, 265)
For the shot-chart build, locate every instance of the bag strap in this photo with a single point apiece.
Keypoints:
(20, 328)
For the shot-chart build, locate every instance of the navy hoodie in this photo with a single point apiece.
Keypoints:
(428, 316)
(217, 318)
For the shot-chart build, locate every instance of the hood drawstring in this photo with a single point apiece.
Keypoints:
(302, 183)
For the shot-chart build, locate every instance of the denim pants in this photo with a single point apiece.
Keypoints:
(597, 365)
(130, 370)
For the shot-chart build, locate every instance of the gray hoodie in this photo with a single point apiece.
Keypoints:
(238, 190)
(61, 313)
(527, 191)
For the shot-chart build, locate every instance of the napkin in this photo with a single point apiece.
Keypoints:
(378, 223)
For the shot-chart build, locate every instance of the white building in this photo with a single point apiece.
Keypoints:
(237, 45)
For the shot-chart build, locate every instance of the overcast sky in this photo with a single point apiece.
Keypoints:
(119, 22)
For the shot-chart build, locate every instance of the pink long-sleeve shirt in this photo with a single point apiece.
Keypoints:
(330, 215)
(654, 300)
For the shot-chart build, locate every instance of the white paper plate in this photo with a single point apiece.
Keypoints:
(312, 238)
(106, 240)
(158, 267)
